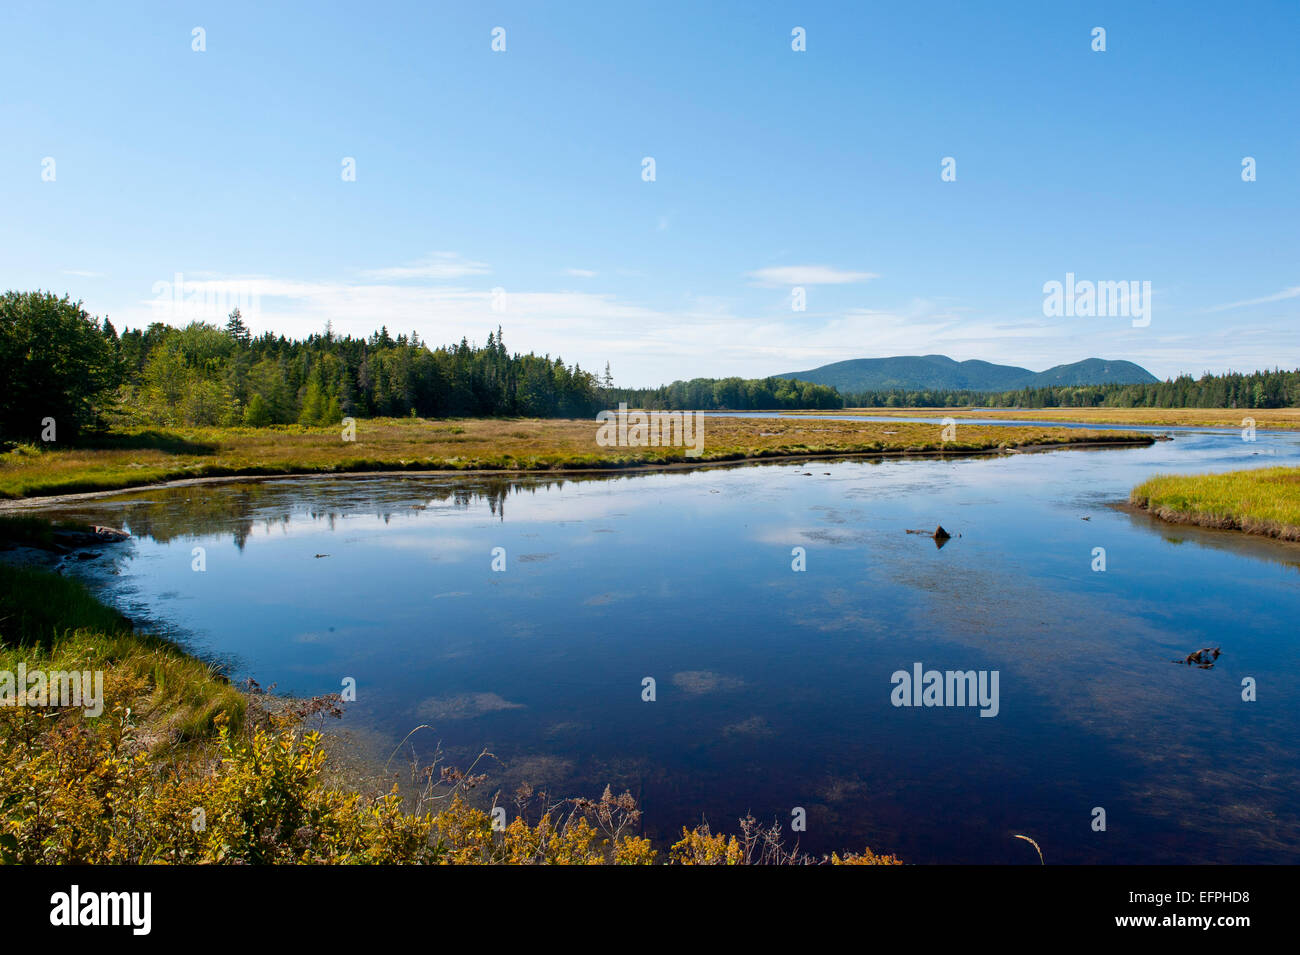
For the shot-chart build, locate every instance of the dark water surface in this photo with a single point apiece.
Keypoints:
(774, 686)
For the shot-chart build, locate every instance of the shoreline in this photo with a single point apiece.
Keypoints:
(258, 473)
(1270, 530)
(1261, 502)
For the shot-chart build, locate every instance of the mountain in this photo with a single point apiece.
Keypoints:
(939, 372)
(1095, 371)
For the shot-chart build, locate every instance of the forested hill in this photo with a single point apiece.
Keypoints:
(939, 372)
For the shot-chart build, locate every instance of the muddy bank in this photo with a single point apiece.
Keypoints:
(1211, 522)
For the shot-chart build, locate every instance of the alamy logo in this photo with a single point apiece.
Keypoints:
(53, 688)
(652, 429)
(947, 688)
(204, 299)
(1098, 300)
(103, 908)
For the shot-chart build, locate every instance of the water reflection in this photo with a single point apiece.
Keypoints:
(236, 508)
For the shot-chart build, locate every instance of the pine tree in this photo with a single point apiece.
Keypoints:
(313, 406)
(236, 328)
(257, 414)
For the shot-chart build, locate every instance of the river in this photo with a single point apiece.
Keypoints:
(774, 687)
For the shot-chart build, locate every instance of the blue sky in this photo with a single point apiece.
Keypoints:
(521, 171)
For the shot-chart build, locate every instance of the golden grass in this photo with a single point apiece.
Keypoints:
(133, 458)
(1279, 418)
(1264, 501)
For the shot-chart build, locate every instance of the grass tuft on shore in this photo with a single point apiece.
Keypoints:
(1264, 501)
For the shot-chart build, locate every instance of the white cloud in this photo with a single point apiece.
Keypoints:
(1286, 293)
(439, 265)
(702, 335)
(808, 275)
(581, 273)
(707, 336)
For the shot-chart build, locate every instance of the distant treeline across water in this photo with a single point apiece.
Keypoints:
(1261, 389)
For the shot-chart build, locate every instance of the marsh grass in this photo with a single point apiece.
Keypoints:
(136, 458)
(1037, 847)
(50, 622)
(1264, 501)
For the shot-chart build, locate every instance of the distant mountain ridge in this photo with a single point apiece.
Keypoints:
(939, 372)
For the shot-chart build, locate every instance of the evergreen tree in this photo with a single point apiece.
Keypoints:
(236, 328)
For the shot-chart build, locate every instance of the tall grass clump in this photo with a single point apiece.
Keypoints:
(1264, 501)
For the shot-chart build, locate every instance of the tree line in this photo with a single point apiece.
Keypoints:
(205, 375)
(1260, 389)
(60, 363)
(730, 394)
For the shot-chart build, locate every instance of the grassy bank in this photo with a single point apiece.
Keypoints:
(51, 622)
(1265, 501)
(1283, 419)
(178, 766)
(139, 457)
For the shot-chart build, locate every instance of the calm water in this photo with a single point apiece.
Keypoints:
(773, 687)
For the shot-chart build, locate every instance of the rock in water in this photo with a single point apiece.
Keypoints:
(940, 534)
(110, 533)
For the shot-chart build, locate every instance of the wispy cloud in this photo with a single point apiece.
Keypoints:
(438, 266)
(648, 343)
(1293, 292)
(705, 336)
(85, 274)
(808, 275)
(581, 273)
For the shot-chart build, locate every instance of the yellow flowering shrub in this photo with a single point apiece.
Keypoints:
(78, 790)
(700, 847)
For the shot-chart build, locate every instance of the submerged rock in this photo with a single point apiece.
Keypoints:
(940, 536)
(64, 540)
(1203, 658)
